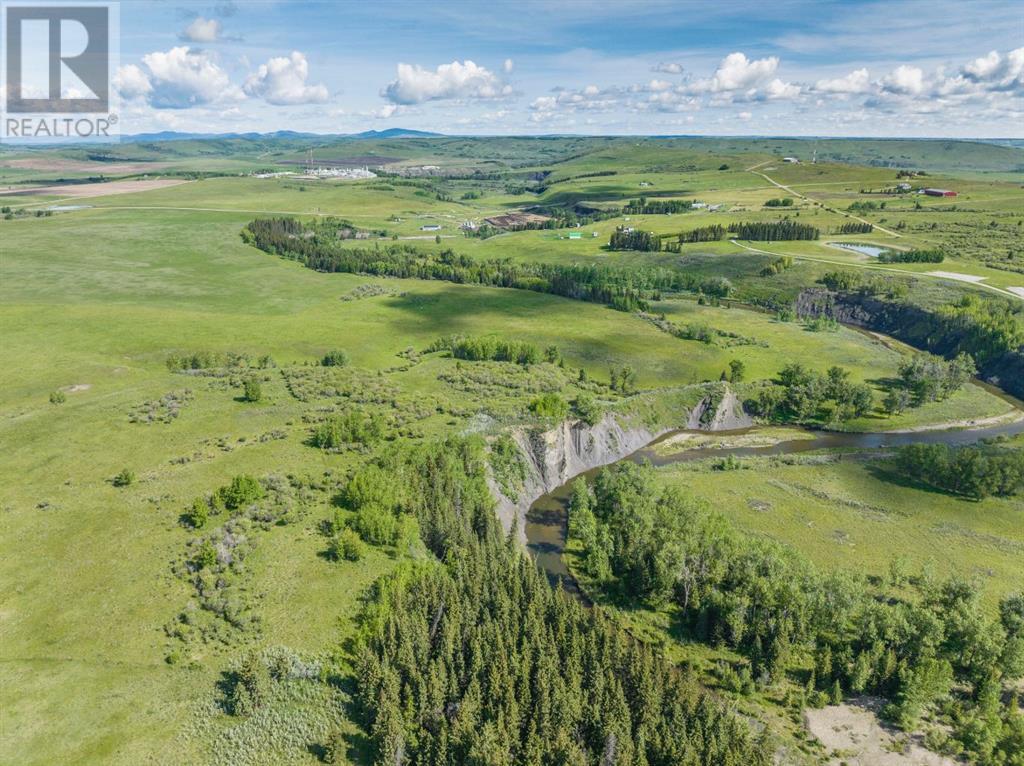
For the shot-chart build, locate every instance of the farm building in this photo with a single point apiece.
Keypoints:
(939, 192)
(431, 227)
(793, 160)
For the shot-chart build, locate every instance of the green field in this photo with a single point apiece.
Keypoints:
(94, 301)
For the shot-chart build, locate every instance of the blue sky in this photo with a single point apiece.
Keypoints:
(937, 68)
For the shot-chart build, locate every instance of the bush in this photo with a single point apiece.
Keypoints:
(124, 478)
(198, 514)
(58, 397)
(375, 524)
(242, 491)
(253, 390)
(336, 358)
(587, 409)
(550, 406)
(347, 546)
(351, 428)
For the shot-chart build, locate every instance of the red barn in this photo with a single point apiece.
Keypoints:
(939, 192)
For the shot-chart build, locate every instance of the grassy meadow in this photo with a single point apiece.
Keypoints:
(94, 301)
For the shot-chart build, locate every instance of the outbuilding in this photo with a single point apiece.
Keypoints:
(939, 192)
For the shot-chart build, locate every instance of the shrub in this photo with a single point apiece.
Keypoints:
(375, 524)
(198, 514)
(336, 358)
(243, 490)
(58, 397)
(347, 546)
(353, 427)
(124, 478)
(253, 390)
(550, 406)
(587, 409)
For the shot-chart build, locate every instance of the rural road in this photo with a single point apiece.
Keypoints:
(795, 193)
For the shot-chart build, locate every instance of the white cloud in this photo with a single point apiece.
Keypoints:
(658, 85)
(779, 90)
(668, 67)
(508, 66)
(132, 82)
(386, 111)
(904, 80)
(282, 81)
(857, 81)
(744, 116)
(1006, 73)
(202, 30)
(181, 78)
(458, 80)
(737, 72)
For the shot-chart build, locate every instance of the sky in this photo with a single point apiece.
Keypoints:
(940, 68)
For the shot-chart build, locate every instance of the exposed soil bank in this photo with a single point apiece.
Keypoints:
(555, 457)
(912, 325)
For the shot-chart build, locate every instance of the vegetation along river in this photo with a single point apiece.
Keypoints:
(547, 520)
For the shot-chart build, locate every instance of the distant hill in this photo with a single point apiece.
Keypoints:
(172, 135)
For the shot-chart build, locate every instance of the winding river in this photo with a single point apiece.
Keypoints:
(547, 519)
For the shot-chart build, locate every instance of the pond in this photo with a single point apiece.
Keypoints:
(872, 251)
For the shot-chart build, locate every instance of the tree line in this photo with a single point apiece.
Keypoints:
(856, 227)
(774, 231)
(911, 256)
(627, 289)
(489, 349)
(969, 471)
(645, 206)
(626, 238)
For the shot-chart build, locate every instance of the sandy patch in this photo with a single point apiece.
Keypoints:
(78, 387)
(98, 189)
(856, 737)
(967, 424)
(957, 276)
(81, 166)
(759, 438)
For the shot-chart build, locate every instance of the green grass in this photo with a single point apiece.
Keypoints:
(858, 515)
(93, 301)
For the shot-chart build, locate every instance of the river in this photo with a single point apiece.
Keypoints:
(547, 519)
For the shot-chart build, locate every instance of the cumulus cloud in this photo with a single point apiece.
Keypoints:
(778, 90)
(457, 80)
(904, 80)
(737, 72)
(177, 79)
(202, 30)
(857, 81)
(282, 81)
(999, 72)
(131, 82)
(508, 66)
